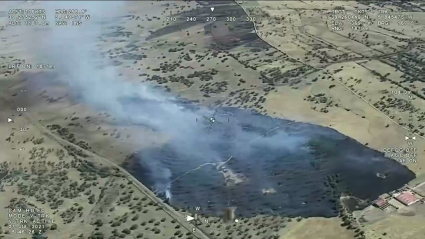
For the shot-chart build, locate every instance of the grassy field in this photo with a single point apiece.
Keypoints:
(365, 84)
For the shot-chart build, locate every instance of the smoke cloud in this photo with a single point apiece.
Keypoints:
(79, 64)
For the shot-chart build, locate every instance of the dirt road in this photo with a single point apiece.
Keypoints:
(198, 233)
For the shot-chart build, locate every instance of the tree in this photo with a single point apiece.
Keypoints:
(38, 236)
(92, 199)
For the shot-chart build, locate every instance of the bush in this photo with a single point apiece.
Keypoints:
(39, 237)
(98, 223)
(92, 199)
(97, 235)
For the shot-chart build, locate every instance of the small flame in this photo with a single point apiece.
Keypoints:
(168, 193)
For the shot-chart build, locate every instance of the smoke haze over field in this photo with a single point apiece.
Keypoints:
(76, 57)
(270, 153)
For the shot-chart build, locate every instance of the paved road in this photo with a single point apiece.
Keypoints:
(167, 209)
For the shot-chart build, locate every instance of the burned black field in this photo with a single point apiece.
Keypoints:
(263, 165)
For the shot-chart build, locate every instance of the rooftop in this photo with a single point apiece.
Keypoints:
(407, 198)
(380, 202)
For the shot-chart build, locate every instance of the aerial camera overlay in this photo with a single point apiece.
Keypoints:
(212, 119)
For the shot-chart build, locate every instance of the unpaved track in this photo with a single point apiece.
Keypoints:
(198, 233)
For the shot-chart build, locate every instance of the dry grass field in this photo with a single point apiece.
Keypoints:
(64, 156)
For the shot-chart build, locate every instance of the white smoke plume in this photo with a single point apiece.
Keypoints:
(74, 52)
